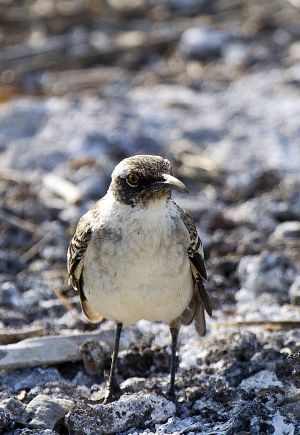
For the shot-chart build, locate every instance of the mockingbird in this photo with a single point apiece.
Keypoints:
(137, 255)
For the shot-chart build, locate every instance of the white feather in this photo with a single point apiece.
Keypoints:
(144, 271)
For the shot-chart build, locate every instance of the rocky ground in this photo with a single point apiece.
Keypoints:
(214, 86)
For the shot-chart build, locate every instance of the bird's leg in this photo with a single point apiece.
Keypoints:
(112, 388)
(174, 329)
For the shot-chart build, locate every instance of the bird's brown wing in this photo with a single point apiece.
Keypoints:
(76, 251)
(201, 299)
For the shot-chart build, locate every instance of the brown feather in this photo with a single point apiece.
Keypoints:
(200, 320)
(189, 313)
(198, 262)
(195, 253)
(78, 245)
(76, 251)
(92, 315)
(205, 299)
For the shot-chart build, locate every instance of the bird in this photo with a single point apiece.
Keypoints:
(137, 255)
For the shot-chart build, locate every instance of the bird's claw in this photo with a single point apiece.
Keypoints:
(112, 393)
(171, 394)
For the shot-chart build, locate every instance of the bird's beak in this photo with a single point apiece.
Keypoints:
(173, 182)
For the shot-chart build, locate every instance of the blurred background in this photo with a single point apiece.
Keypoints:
(214, 86)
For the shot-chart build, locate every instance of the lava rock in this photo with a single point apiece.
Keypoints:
(6, 421)
(15, 408)
(130, 411)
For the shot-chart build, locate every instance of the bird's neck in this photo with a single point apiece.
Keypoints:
(152, 207)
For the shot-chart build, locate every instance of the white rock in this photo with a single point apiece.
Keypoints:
(202, 42)
(281, 428)
(262, 379)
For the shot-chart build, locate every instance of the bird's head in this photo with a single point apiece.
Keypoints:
(142, 179)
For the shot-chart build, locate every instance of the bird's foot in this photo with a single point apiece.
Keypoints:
(171, 394)
(113, 392)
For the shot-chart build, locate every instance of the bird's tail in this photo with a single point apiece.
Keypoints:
(195, 311)
(189, 313)
(199, 318)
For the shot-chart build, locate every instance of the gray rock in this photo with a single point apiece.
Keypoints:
(16, 409)
(130, 411)
(202, 42)
(44, 412)
(266, 272)
(251, 418)
(6, 421)
(26, 379)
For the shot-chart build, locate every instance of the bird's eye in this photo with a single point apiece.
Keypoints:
(132, 180)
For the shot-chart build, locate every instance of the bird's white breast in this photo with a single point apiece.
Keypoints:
(139, 268)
